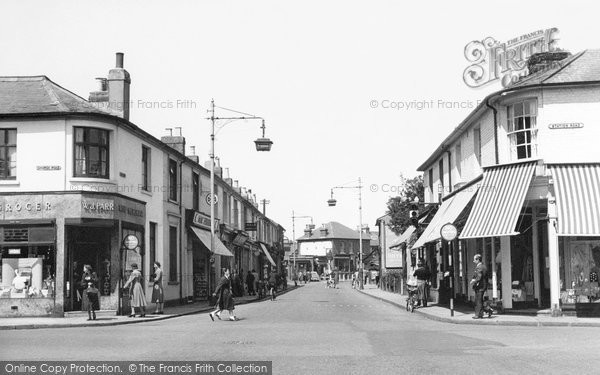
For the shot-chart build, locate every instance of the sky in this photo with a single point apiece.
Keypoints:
(322, 73)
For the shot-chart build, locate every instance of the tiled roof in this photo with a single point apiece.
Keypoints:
(38, 94)
(334, 230)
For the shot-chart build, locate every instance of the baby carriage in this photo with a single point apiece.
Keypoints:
(412, 300)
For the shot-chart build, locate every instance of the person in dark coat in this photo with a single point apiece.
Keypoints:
(479, 283)
(89, 280)
(250, 283)
(273, 285)
(224, 298)
(422, 274)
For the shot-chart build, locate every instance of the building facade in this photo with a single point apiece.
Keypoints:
(81, 184)
(520, 180)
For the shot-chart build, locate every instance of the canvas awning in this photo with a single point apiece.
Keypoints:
(403, 237)
(264, 249)
(577, 191)
(447, 213)
(499, 202)
(204, 237)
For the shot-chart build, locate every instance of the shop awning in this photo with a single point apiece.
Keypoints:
(264, 249)
(447, 213)
(499, 202)
(403, 237)
(204, 237)
(577, 191)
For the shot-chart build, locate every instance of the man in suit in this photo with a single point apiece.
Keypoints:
(479, 283)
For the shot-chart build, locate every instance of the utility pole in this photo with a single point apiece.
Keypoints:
(264, 203)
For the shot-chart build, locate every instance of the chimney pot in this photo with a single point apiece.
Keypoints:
(120, 57)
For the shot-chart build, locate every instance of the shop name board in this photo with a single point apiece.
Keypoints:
(201, 220)
(110, 207)
(250, 227)
(492, 60)
(566, 125)
(18, 207)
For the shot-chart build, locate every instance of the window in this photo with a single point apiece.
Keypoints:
(196, 190)
(458, 159)
(236, 210)
(431, 183)
(8, 154)
(91, 153)
(522, 131)
(172, 253)
(152, 240)
(477, 144)
(172, 180)
(226, 213)
(145, 168)
(441, 175)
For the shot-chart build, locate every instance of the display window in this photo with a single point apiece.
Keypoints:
(27, 271)
(579, 270)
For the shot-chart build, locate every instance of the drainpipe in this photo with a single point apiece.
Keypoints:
(181, 229)
(496, 153)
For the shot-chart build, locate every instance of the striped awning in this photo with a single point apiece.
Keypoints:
(577, 191)
(499, 202)
(447, 213)
(403, 237)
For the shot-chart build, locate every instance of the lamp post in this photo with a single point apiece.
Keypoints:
(331, 202)
(262, 144)
(294, 217)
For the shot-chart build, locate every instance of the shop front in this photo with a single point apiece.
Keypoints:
(47, 239)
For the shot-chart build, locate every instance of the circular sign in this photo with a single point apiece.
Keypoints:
(449, 232)
(131, 242)
(212, 259)
(209, 200)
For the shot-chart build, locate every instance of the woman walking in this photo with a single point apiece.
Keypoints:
(136, 291)
(157, 289)
(224, 298)
(90, 298)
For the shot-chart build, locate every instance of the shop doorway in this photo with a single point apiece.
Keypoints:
(91, 246)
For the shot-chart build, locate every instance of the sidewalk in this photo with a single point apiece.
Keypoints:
(464, 316)
(111, 320)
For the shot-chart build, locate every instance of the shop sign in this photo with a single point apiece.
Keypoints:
(48, 167)
(250, 227)
(492, 60)
(566, 125)
(449, 232)
(100, 207)
(131, 242)
(28, 206)
(201, 220)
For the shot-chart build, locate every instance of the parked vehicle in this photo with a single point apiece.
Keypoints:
(314, 276)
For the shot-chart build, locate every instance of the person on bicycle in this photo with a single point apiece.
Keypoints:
(422, 274)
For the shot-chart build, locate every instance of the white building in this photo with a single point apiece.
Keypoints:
(520, 178)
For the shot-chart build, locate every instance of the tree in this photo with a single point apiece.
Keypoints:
(399, 207)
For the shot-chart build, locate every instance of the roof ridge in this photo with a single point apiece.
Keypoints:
(22, 78)
(571, 60)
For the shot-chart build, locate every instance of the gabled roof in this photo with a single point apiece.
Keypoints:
(38, 94)
(335, 230)
(581, 68)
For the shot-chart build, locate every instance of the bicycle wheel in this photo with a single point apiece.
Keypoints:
(408, 304)
(412, 305)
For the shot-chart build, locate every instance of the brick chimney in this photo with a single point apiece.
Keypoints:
(193, 156)
(175, 141)
(118, 83)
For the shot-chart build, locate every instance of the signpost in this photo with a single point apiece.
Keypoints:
(449, 232)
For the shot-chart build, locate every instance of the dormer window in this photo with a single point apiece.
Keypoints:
(91, 153)
(522, 131)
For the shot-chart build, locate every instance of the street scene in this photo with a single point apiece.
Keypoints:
(300, 187)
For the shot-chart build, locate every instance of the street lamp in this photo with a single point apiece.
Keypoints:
(262, 144)
(312, 226)
(331, 202)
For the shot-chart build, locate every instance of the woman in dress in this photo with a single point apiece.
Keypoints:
(224, 298)
(136, 291)
(157, 289)
(89, 280)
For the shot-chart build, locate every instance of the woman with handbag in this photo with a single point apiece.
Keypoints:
(157, 289)
(136, 291)
(224, 298)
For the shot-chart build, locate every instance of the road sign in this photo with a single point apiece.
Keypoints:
(209, 200)
(449, 232)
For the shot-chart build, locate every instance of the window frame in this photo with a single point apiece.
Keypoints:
(86, 145)
(4, 152)
(196, 190)
(528, 112)
(146, 163)
(173, 175)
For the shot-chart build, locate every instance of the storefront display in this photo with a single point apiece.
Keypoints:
(579, 270)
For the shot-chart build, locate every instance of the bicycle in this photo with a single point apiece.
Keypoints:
(411, 301)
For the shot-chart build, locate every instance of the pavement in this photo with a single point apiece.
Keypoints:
(464, 315)
(80, 320)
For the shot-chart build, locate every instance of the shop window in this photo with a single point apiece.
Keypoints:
(580, 270)
(27, 271)
(91, 152)
(522, 132)
(8, 154)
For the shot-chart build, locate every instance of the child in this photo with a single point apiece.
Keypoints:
(94, 303)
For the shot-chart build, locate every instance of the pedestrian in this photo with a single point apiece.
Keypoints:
(273, 285)
(89, 277)
(422, 274)
(336, 278)
(136, 291)
(250, 283)
(224, 298)
(479, 283)
(256, 280)
(157, 289)
(295, 278)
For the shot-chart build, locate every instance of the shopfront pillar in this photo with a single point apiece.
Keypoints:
(506, 272)
(536, 259)
(59, 276)
(553, 258)
(494, 271)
